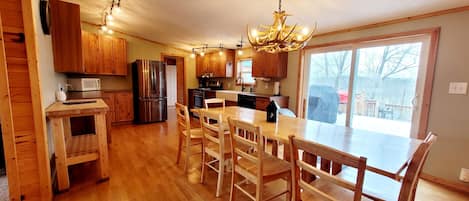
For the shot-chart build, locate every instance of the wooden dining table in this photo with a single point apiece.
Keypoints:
(386, 154)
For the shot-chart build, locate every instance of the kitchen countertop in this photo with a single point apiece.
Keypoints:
(232, 95)
(72, 95)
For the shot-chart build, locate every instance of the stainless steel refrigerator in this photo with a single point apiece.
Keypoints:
(149, 82)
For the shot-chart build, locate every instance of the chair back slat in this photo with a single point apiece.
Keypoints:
(183, 119)
(328, 153)
(211, 101)
(242, 147)
(410, 181)
(212, 128)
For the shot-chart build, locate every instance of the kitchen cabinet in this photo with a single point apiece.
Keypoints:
(216, 64)
(269, 65)
(124, 107)
(121, 107)
(81, 52)
(66, 37)
(104, 55)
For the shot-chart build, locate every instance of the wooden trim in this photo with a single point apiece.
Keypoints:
(458, 186)
(428, 85)
(8, 133)
(139, 37)
(396, 21)
(38, 110)
(185, 94)
(431, 64)
(300, 82)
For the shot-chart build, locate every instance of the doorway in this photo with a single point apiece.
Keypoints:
(374, 85)
(175, 79)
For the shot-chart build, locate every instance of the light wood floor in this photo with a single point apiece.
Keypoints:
(142, 160)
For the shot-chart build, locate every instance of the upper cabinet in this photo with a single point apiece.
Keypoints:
(77, 51)
(216, 64)
(269, 65)
(66, 37)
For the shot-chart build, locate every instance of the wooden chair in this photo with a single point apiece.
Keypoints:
(218, 101)
(358, 163)
(378, 187)
(214, 145)
(256, 166)
(188, 136)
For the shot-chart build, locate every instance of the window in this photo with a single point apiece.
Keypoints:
(244, 72)
(375, 86)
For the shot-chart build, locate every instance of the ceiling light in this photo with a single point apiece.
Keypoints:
(202, 53)
(220, 52)
(192, 55)
(279, 37)
(240, 52)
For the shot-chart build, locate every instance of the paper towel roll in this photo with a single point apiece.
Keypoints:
(277, 88)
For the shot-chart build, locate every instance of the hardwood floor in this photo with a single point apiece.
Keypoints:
(142, 160)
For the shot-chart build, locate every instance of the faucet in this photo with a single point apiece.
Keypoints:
(240, 79)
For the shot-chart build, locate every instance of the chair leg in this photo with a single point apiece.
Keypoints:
(221, 173)
(204, 168)
(179, 149)
(259, 191)
(289, 188)
(188, 155)
(233, 181)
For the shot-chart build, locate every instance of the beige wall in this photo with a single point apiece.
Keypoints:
(141, 49)
(49, 79)
(449, 114)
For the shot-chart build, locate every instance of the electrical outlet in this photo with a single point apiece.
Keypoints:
(464, 176)
(458, 88)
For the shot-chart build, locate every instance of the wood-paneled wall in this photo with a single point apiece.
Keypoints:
(21, 110)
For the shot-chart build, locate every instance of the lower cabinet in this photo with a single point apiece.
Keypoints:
(121, 107)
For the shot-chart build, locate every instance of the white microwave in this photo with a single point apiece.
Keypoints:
(84, 84)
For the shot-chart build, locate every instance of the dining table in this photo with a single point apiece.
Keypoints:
(386, 154)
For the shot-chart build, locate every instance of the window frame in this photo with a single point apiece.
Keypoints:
(238, 72)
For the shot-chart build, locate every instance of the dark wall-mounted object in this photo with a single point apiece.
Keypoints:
(45, 18)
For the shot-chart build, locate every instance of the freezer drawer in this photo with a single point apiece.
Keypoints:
(152, 110)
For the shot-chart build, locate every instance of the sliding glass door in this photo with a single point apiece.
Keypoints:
(371, 86)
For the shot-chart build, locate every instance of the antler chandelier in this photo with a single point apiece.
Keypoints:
(279, 37)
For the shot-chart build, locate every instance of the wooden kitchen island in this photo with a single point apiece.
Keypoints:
(71, 150)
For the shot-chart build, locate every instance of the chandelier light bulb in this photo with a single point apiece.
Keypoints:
(118, 9)
(279, 27)
(104, 27)
(305, 31)
(299, 37)
(110, 31)
(254, 32)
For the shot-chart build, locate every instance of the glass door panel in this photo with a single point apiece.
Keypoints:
(327, 88)
(385, 85)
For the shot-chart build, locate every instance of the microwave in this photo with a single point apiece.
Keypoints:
(84, 84)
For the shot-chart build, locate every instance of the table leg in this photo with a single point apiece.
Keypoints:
(67, 128)
(103, 161)
(60, 153)
(312, 160)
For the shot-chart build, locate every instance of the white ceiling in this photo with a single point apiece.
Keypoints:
(189, 23)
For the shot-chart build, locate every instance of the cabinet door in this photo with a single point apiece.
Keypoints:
(124, 109)
(66, 37)
(119, 52)
(92, 54)
(262, 103)
(199, 65)
(108, 58)
(269, 65)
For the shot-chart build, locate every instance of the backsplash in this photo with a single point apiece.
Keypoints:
(261, 86)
